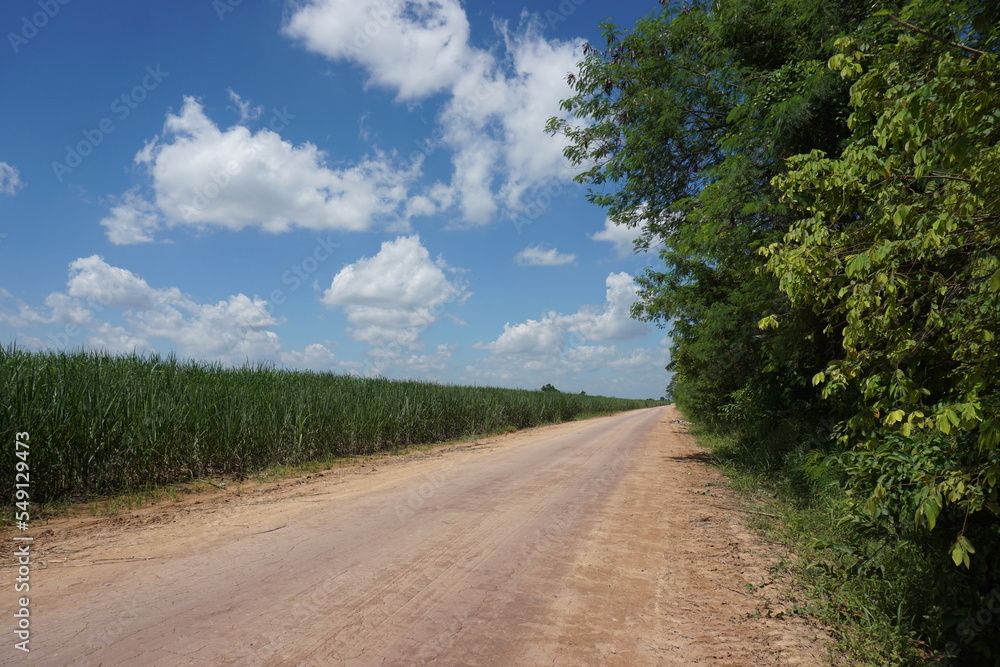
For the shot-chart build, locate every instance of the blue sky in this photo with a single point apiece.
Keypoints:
(359, 187)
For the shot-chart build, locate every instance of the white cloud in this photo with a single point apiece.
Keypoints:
(21, 315)
(248, 112)
(132, 219)
(91, 278)
(64, 309)
(531, 338)
(535, 255)
(204, 176)
(415, 47)
(10, 179)
(494, 124)
(591, 357)
(637, 360)
(116, 340)
(390, 297)
(420, 205)
(638, 372)
(474, 163)
(621, 237)
(315, 357)
(497, 107)
(612, 321)
(430, 364)
(394, 361)
(594, 324)
(559, 348)
(533, 95)
(232, 330)
(645, 233)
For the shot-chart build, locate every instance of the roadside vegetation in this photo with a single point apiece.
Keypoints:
(102, 424)
(820, 179)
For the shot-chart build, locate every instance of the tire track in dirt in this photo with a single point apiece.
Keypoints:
(504, 510)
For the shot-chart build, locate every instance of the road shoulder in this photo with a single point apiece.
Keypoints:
(675, 577)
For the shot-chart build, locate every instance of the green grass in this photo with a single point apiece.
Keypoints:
(102, 424)
(866, 591)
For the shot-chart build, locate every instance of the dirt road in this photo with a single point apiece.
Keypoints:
(587, 543)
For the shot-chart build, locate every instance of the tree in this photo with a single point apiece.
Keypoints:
(688, 117)
(899, 252)
(822, 177)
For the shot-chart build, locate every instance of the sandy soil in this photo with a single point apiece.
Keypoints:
(587, 543)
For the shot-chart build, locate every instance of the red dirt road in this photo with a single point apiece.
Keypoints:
(587, 543)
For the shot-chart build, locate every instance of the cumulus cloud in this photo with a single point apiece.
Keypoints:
(315, 357)
(10, 179)
(248, 111)
(531, 338)
(591, 345)
(535, 255)
(70, 312)
(551, 334)
(16, 314)
(94, 279)
(132, 219)
(417, 48)
(204, 176)
(611, 321)
(391, 297)
(645, 233)
(115, 340)
(621, 237)
(495, 120)
(395, 361)
(232, 330)
(432, 364)
(496, 107)
(638, 359)
(533, 94)
(631, 371)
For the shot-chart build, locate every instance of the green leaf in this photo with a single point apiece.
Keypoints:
(944, 423)
(995, 281)
(894, 416)
(958, 554)
(769, 322)
(857, 265)
(961, 550)
(931, 511)
(818, 378)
